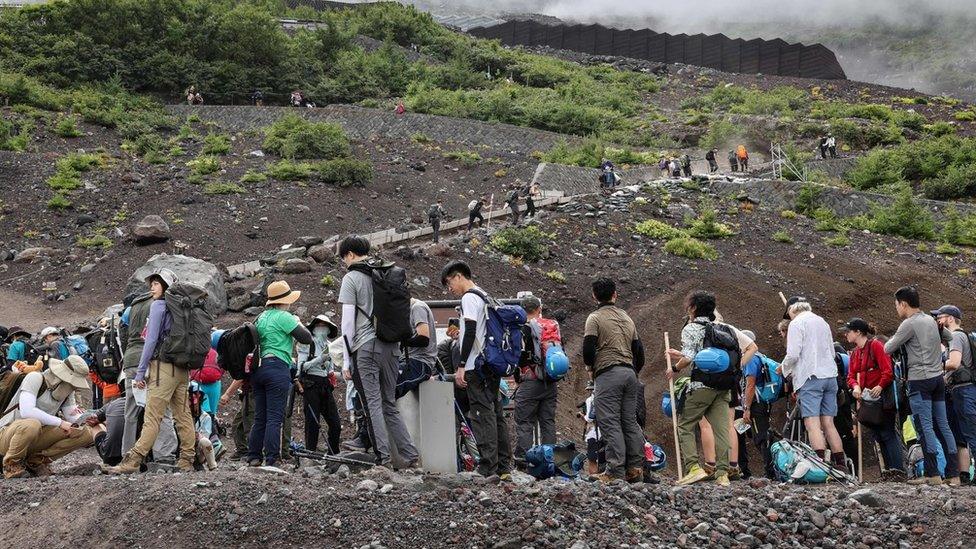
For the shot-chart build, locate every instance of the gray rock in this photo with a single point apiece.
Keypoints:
(30, 255)
(267, 470)
(289, 253)
(866, 496)
(253, 311)
(294, 266)
(87, 268)
(188, 269)
(343, 471)
(308, 241)
(817, 519)
(152, 229)
(321, 253)
(367, 485)
(85, 219)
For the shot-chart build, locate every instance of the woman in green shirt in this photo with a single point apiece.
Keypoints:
(278, 330)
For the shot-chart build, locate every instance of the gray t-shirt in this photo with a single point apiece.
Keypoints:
(960, 342)
(420, 313)
(922, 338)
(357, 289)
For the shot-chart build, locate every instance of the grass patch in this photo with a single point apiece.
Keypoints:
(556, 276)
(67, 127)
(526, 243)
(327, 281)
(345, 172)
(787, 214)
(421, 138)
(782, 236)
(944, 248)
(690, 248)
(216, 144)
(659, 230)
(223, 187)
(203, 165)
(251, 176)
(838, 241)
(465, 158)
(99, 241)
(59, 202)
(287, 170)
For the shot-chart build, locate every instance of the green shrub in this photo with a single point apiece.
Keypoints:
(556, 276)
(80, 162)
(587, 154)
(295, 138)
(146, 143)
(787, 214)
(878, 168)
(64, 181)
(528, 243)
(958, 181)
(421, 138)
(223, 187)
(253, 177)
(327, 281)
(940, 128)
(807, 199)
(94, 241)
(216, 143)
(720, 132)
(783, 236)
(826, 220)
(203, 165)
(659, 230)
(346, 172)
(465, 158)
(67, 127)
(839, 241)
(706, 225)
(690, 248)
(14, 138)
(944, 248)
(965, 116)
(957, 230)
(176, 150)
(904, 217)
(59, 202)
(286, 170)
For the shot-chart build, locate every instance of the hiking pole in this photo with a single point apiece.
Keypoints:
(674, 408)
(783, 297)
(860, 451)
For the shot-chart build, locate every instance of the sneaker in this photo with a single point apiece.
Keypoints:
(15, 469)
(954, 482)
(734, 473)
(603, 477)
(696, 474)
(353, 445)
(722, 480)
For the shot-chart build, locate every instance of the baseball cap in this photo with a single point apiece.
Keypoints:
(950, 310)
(790, 302)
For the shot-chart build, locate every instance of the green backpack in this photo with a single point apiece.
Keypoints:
(188, 340)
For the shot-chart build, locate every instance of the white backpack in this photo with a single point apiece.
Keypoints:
(471, 205)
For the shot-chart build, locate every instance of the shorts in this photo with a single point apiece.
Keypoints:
(818, 397)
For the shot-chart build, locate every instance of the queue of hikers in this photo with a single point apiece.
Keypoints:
(515, 193)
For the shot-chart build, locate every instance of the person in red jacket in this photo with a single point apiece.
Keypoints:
(869, 376)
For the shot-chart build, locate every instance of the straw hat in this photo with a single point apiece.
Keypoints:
(72, 370)
(280, 293)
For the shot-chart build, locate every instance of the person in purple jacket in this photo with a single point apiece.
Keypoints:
(167, 385)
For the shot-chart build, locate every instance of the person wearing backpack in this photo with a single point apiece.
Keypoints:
(761, 387)
(531, 191)
(474, 212)
(614, 354)
(712, 162)
(871, 377)
(416, 364)
(960, 378)
(512, 201)
(922, 339)
(20, 349)
(373, 326)
(54, 345)
(39, 420)
(208, 381)
(733, 162)
(535, 397)
(476, 375)
(810, 360)
(168, 381)
(686, 164)
(743, 157)
(434, 215)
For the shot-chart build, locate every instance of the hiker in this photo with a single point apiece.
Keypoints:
(743, 157)
(132, 325)
(613, 353)
(400, 109)
(38, 424)
(317, 382)
(54, 345)
(474, 212)
(481, 384)
(531, 191)
(920, 336)
(733, 162)
(420, 351)
(663, 166)
(434, 215)
(297, 98)
(20, 349)
(203, 427)
(823, 147)
(960, 376)
(191, 95)
(607, 165)
(512, 201)
(449, 357)
(535, 397)
(609, 178)
(738, 453)
(686, 164)
(870, 377)
(810, 360)
(257, 98)
(759, 391)
(167, 389)
(712, 162)
(832, 145)
(244, 418)
(208, 377)
(674, 167)
(108, 443)
(371, 364)
(844, 420)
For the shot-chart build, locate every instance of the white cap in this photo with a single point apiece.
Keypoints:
(48, 331)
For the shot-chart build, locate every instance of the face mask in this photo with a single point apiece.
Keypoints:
(321, 332)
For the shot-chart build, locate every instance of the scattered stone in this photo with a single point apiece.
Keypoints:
(367, 485)
(290, 253)
(321, 252)
(85, 269)
(387, 488)
(31, 255)
(294, 266)
(151, 230)
(263, 499)
(85, 219)
(866, 496)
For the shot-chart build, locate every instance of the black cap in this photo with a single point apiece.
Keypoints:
(857, 325)
(950, 310)
(790, 302)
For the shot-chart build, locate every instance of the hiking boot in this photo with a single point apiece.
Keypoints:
(238, 456)
(722, 479)
(893, 475)
(184, 466)
(634, 475)
(15, 469)
(40, 469)
(917, 481)
(130, 464)
(254, 463)
(954, 482)
(734, 473)
(603, 477)
(696, 474)
(353, 445)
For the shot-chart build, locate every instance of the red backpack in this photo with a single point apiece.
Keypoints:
(549, 335)
(211, 372)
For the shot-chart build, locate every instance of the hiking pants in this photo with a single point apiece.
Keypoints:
(374, 374)
(28, 441)
(927, 399)
(320, 403)
(713, 405)
(243, 421)
(712, 166)
(165, 446)
(529, 207)
(535, 403)
(436, 225)
(167, 388)
(760, 436)
(270, 385)
(515, 213)
(964, 404)
(686, 170)
(487, 418)
(887, 438)
(615, 402)
(475, 215)
(844, 423)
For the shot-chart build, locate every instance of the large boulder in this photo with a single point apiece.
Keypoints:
(151, 229)
(188, 269)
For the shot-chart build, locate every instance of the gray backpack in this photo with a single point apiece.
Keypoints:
(188, 340)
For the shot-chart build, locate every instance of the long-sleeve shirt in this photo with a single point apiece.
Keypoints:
(809, 349)
(42, 407)
(872, 364)
(157, 325)
(922, 339)
(320, 364)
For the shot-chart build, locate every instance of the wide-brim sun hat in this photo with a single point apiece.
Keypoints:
(280, 293)
(16, 331)
(324, 319)
(73, 370)
(167, 276)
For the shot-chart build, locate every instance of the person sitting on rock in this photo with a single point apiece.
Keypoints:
(38, 426)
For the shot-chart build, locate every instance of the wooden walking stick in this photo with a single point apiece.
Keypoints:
(783, 297)
(674, 409)
(860, 452)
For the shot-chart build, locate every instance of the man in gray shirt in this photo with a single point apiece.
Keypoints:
(371, 364)
(420, 353)
(921, 337)
(960, 376)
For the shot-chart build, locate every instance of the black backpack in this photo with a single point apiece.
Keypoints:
(391, 301)
(188, 340)
(434, 212)
(107, 351)
(720, 336)
(233, 348)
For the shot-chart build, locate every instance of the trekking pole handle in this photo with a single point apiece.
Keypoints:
(783, 297)
(674, 407)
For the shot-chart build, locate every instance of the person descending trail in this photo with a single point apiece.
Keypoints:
(743, 157)
(434, 214)
(733, 162)
(712, 162)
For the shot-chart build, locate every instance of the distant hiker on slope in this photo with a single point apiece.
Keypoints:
(474, 212)
(434, 215)
(712, 162)
(686, 164)
(743, 157)
(733, 162)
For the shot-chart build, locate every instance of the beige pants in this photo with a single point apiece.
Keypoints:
(28, 440)
(167, 385)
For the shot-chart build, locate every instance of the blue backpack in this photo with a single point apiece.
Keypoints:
(786, 460)
(769, 384)
(503, 336)
(81, 348)
(554, 460)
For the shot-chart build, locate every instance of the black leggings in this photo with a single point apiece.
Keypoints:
(319, 402)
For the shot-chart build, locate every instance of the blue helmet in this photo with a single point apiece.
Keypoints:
(215, 338)
(712, 360)
(557, 363)
(679, 386)
(655, 457)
